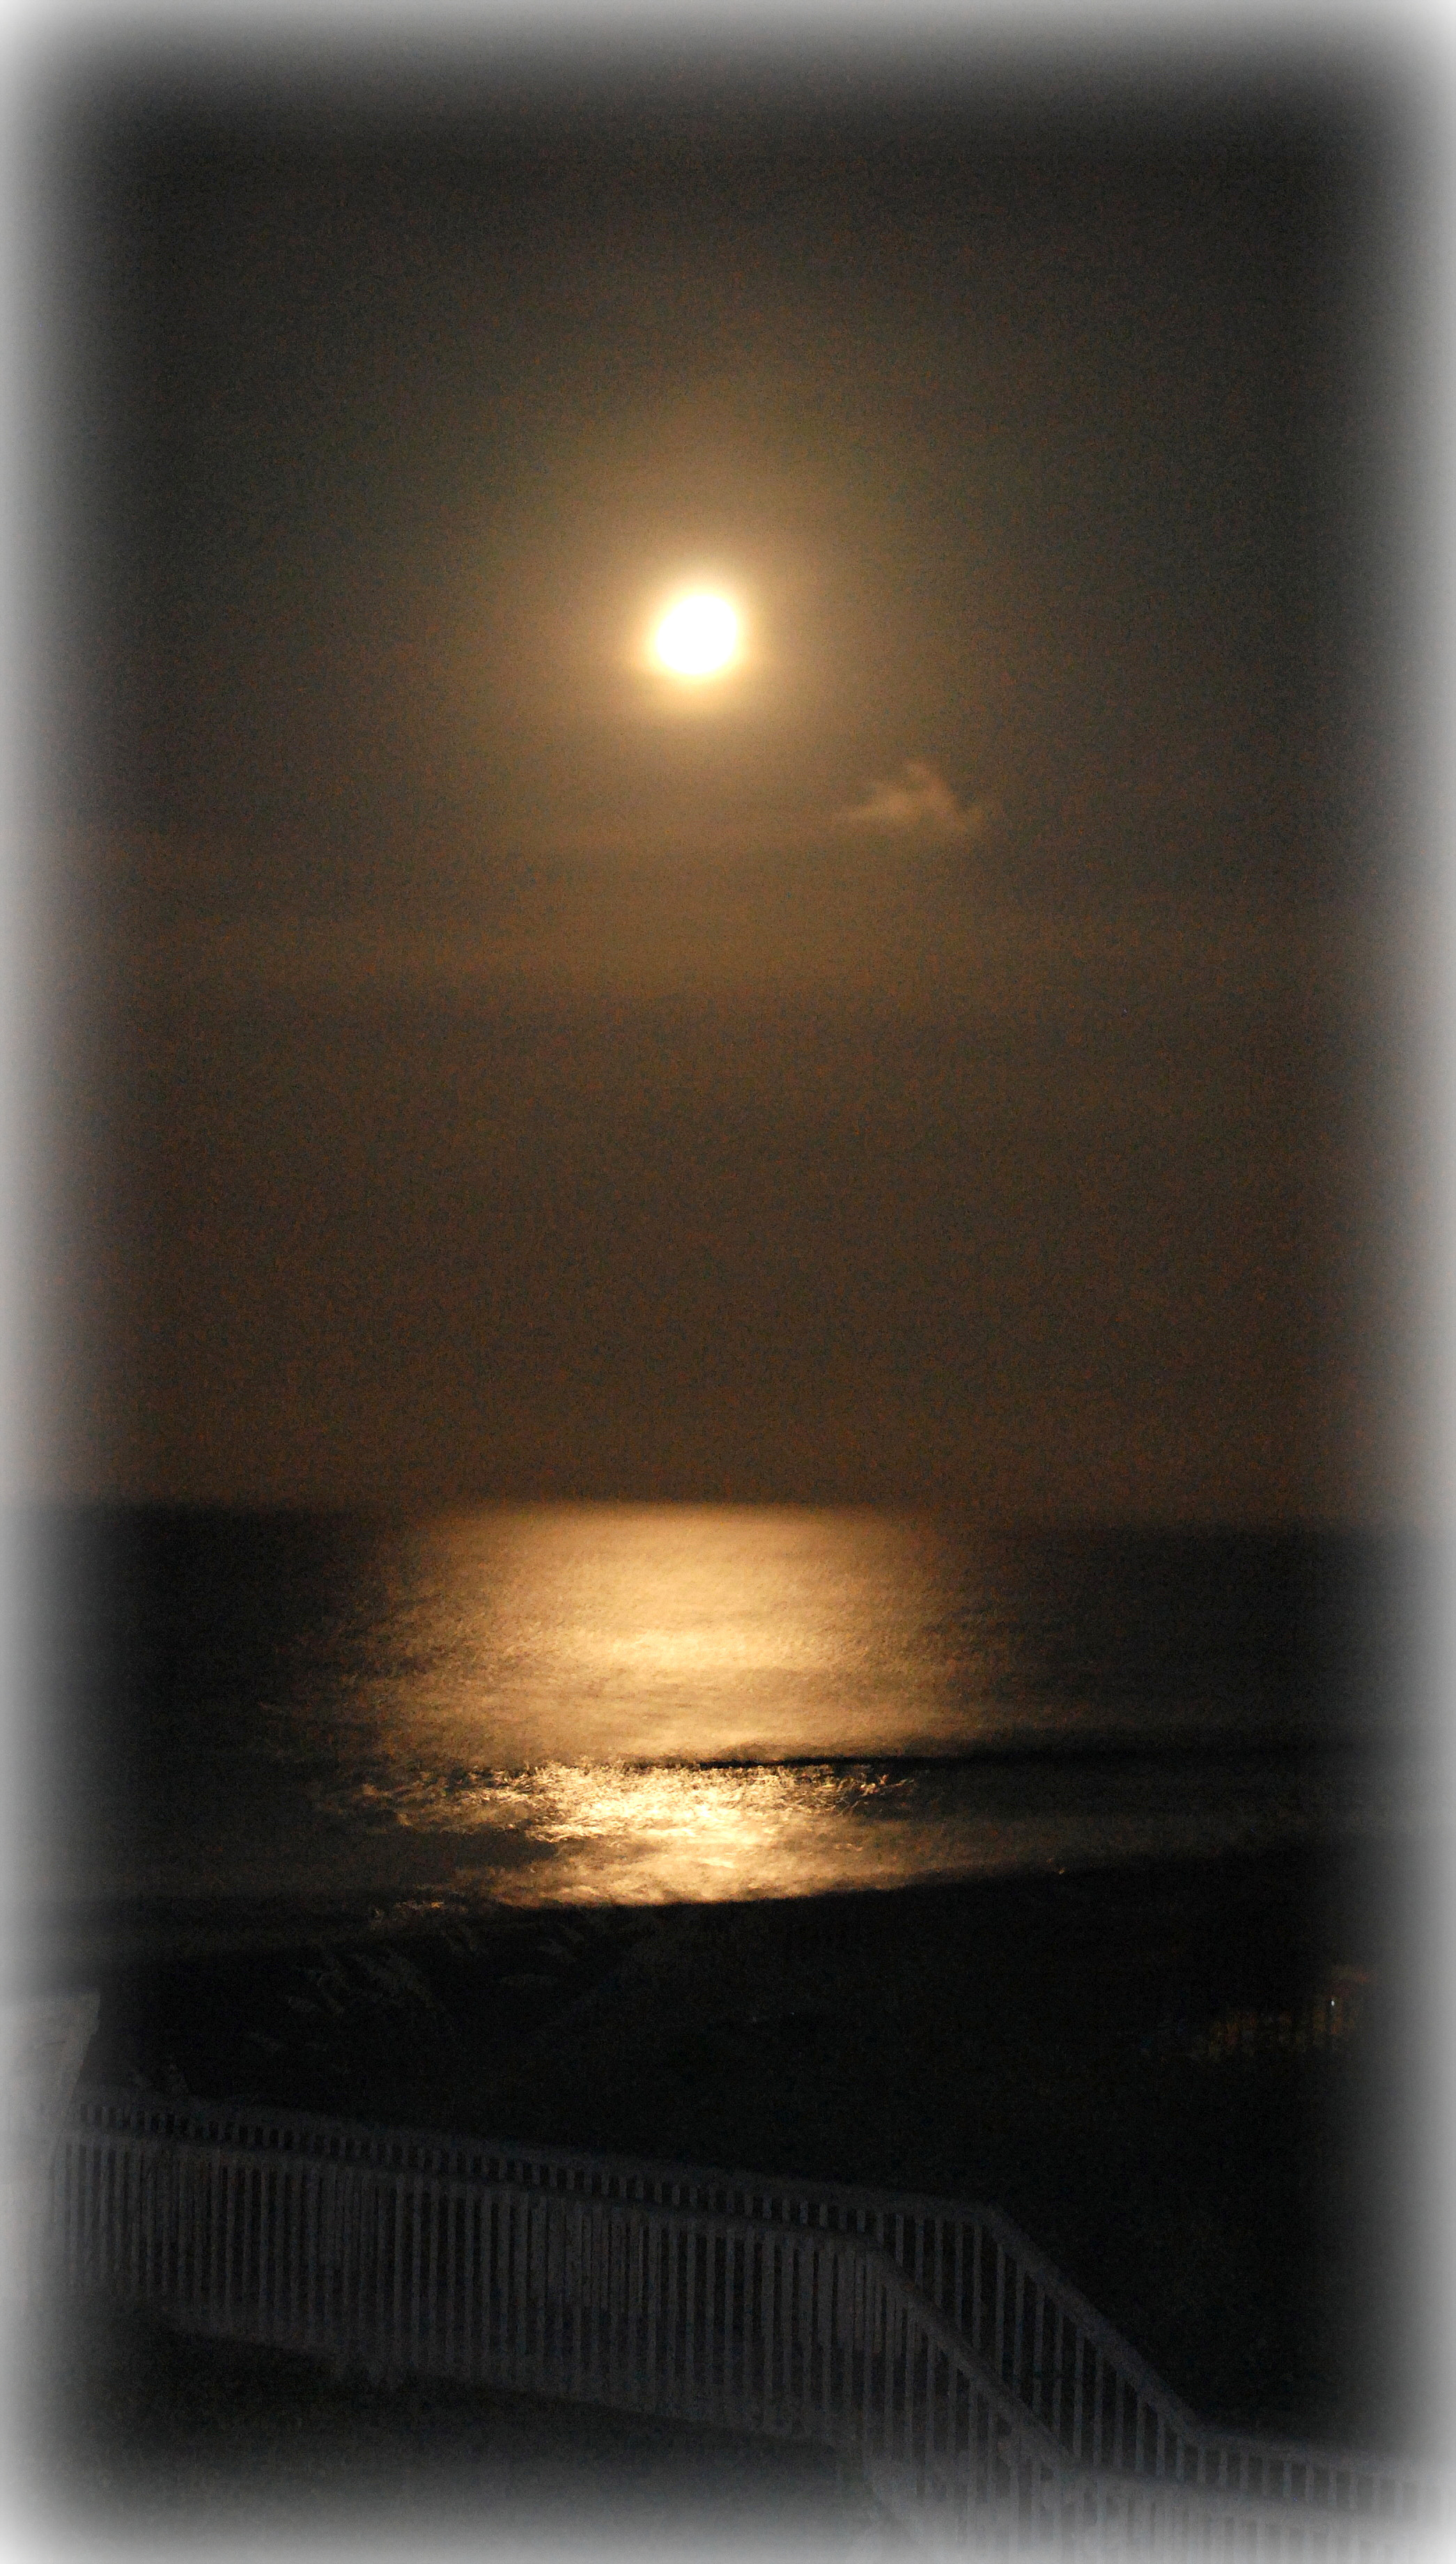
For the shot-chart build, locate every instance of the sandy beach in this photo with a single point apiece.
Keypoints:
(1183, 2080)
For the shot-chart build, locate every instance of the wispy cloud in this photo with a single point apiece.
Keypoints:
(920, 804)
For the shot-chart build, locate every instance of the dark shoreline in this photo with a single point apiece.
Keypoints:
(72, 1939)
(1047, 2041)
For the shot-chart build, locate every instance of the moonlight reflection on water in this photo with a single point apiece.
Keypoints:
(638, 1703)
(690, 1633)
(593, 1834)
(669, 1833)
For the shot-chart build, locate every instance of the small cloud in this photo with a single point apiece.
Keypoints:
(920, 805)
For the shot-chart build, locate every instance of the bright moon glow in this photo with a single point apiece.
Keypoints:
(698, 637)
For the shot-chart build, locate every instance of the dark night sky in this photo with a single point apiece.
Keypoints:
(957, 1054)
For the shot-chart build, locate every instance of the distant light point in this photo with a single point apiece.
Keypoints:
(698, 637)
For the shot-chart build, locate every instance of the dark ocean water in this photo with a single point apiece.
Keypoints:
(648, 1703)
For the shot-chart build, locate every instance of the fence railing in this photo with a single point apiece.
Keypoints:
(678, 2312)
(701, 2295)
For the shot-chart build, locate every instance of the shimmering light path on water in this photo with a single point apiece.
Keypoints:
(660, 1702)
(686, 1632)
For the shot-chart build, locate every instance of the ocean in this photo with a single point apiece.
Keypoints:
(246, 1717)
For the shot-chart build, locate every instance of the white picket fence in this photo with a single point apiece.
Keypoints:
(983, 2398)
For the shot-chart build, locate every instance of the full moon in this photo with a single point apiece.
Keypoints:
(696, 637)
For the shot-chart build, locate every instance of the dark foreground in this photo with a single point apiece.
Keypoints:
(187, 2445)
(1123, 2060)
